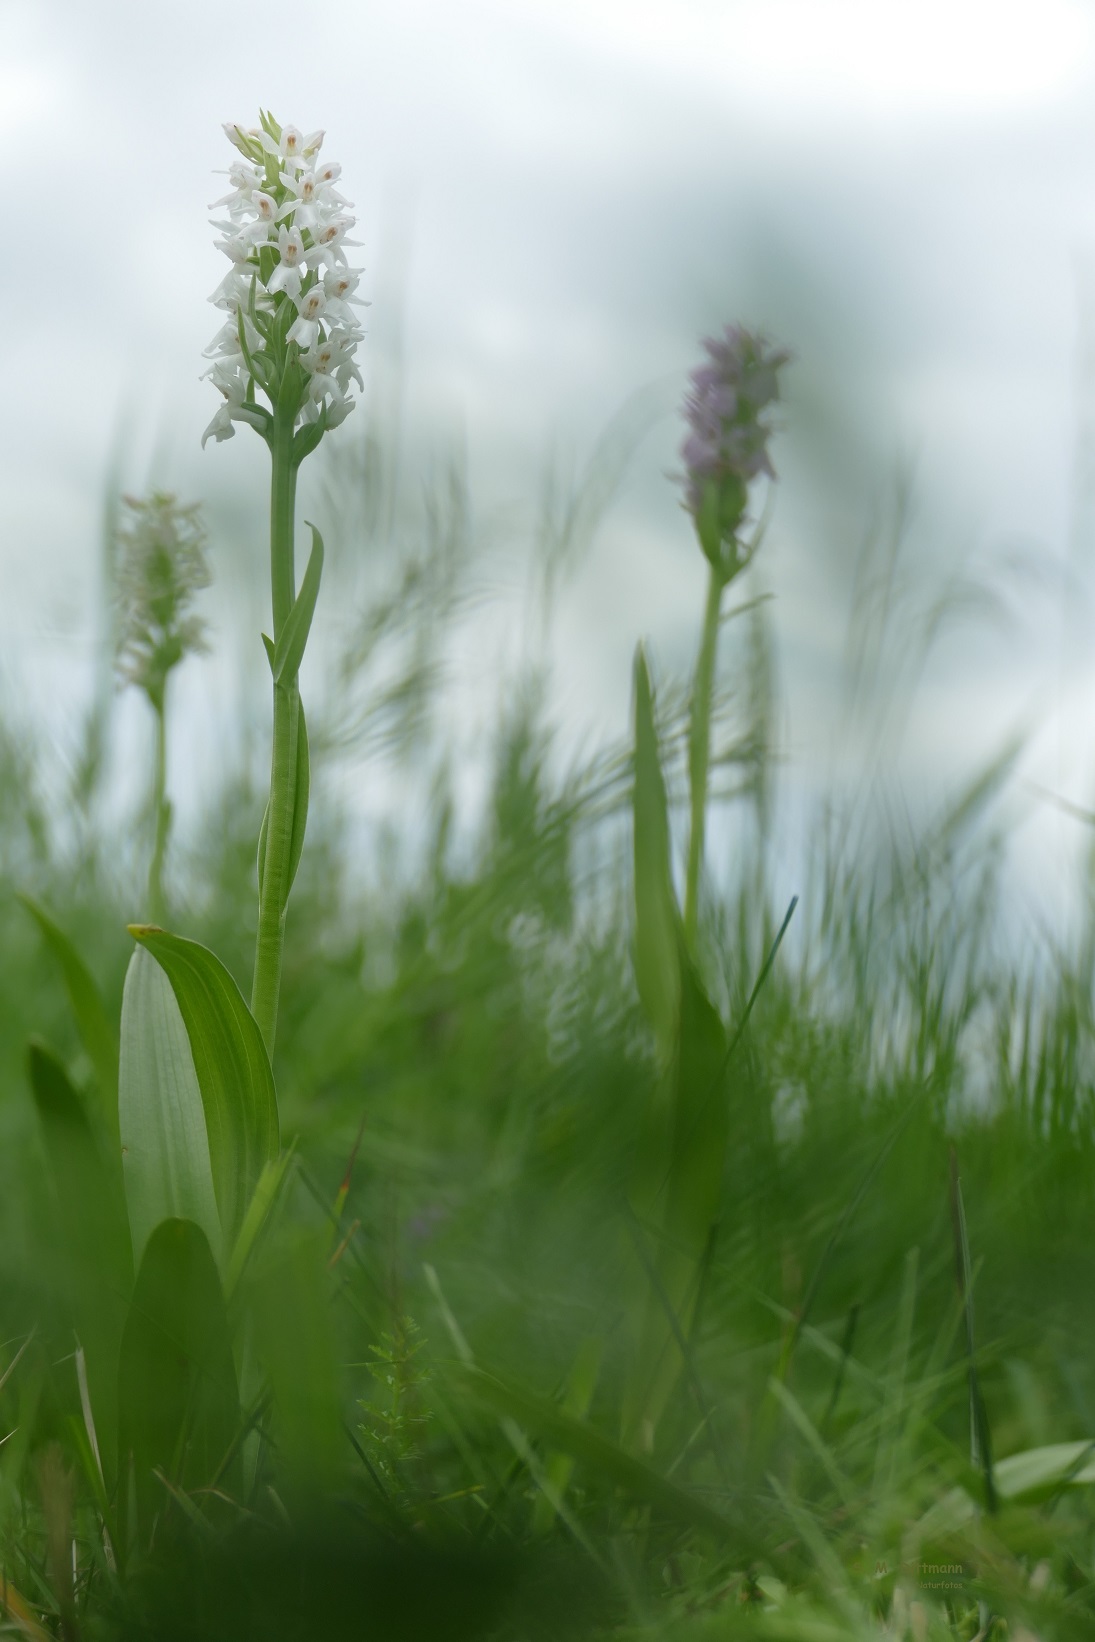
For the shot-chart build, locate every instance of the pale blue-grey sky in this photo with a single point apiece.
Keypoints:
(564, 195)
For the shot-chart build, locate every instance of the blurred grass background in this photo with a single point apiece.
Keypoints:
(460, 1023)
(459, 1014)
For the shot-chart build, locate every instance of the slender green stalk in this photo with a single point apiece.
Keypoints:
(161, 810)
(699, 750)
(274, 865)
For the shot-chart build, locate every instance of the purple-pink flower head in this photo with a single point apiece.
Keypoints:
(727, 442)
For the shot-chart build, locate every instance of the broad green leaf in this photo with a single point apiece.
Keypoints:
(291, 641)
(236, 1085)
(96, 1264)
(603, 1457)
(657, 967)
(96, 1030)
(165, 1142)
(178, 1401)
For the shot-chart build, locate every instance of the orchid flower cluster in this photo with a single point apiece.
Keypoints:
(291, 329)
(161, 568)
(727, 442)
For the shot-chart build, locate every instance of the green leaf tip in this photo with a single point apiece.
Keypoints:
(289, 649)
(657, 918)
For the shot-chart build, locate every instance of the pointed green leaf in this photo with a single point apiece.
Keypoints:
(308, 437)
(233, 1072)
(301, 794)
(258, 1213)
(289, 650)
(602, 1456)
(96, 1030)
(657, 968)
(165, 1142)
(178, 1400)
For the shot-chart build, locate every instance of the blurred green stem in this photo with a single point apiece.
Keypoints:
(161, 810)
(699, 751)
(276, 841)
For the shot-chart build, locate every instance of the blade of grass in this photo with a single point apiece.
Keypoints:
(97, 1031)
(980, 1436)
(599, 1453)
(683, 1345)
(846, 1344)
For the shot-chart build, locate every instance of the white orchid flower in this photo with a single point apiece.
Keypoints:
(285, 229)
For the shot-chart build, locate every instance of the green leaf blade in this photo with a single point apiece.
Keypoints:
(591, 1448)
(165, 1142)
(657, 919)
(291, 641)
(301, 793)
(96, 1030)
(178, 1398)
(232, 1069)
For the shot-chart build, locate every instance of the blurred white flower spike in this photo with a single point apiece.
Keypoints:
(291, 332)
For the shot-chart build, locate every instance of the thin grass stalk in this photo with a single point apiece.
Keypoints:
(980, 1441)
(161, 811)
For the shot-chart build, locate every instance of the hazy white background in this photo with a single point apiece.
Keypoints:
(557, 198)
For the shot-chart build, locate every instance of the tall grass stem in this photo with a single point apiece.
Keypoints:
(161, 810)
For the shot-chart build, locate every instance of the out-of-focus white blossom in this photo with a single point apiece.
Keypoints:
(285, 231)
(161, 568)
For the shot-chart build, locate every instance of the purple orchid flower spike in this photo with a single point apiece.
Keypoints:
(726, 446)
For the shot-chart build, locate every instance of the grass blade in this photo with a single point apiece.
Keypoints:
(590, 1448)
(97, 1031)
(657, 919)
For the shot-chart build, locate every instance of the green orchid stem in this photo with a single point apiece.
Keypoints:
(274, 870)
(699, 751)
(161, 810)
